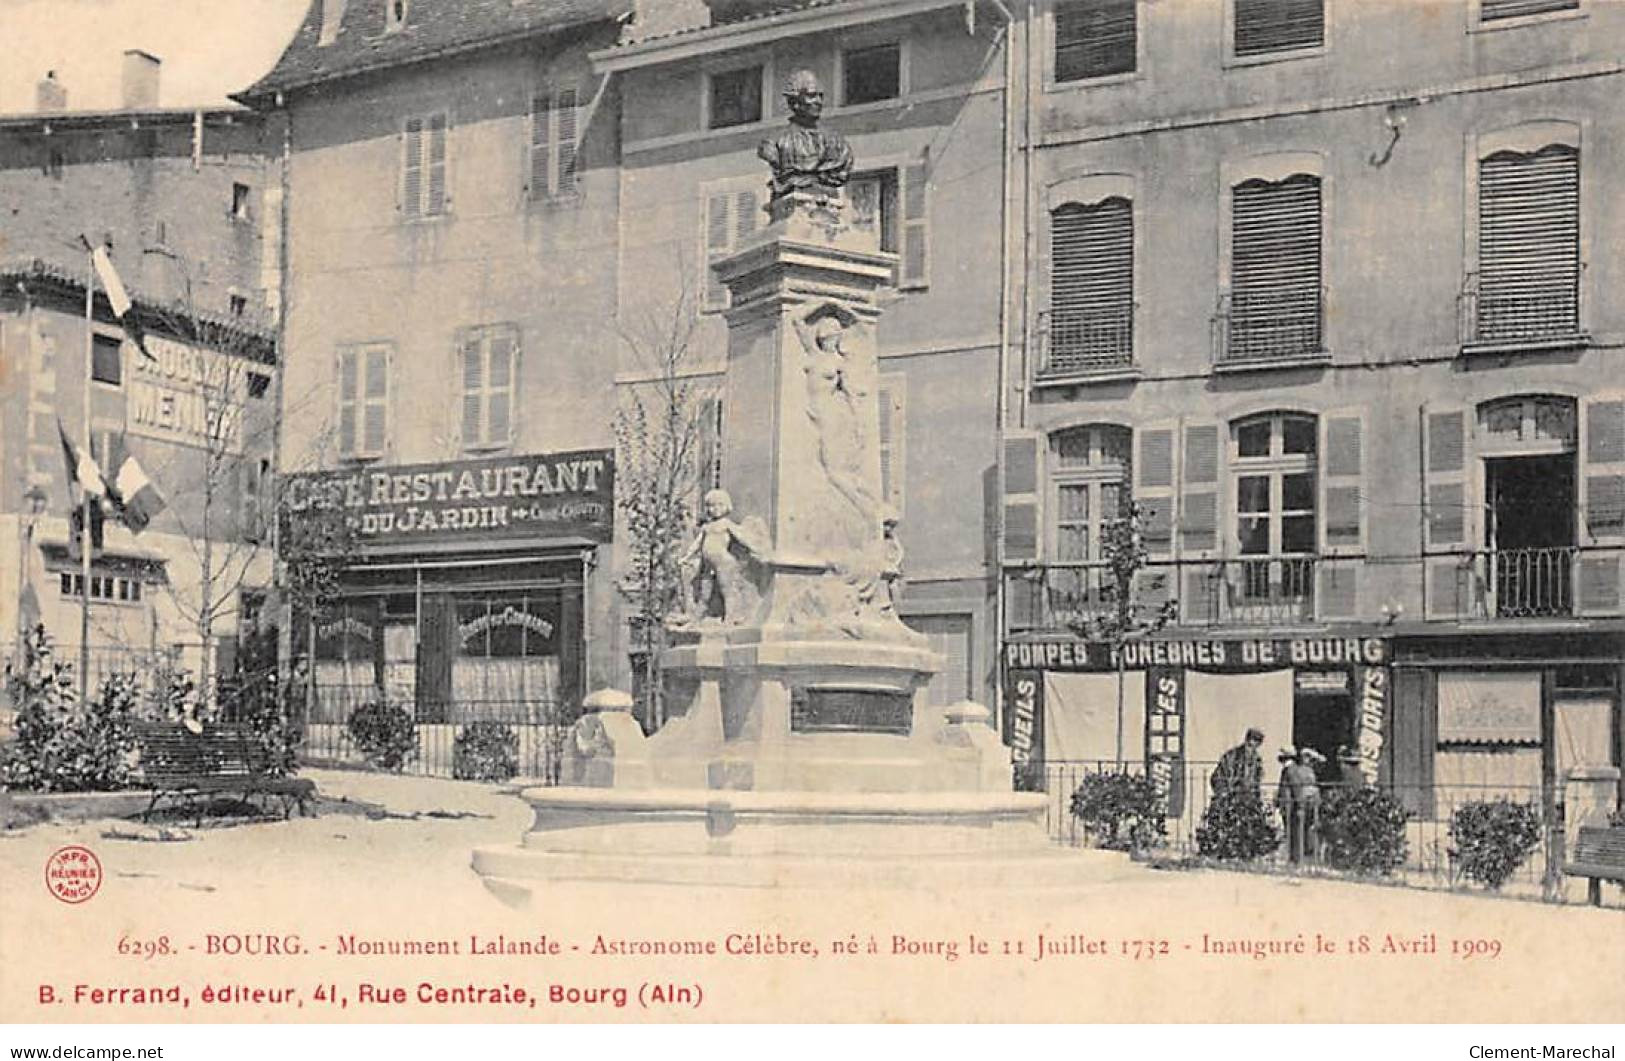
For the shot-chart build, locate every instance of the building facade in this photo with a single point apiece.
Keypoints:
(188, 202)
(1330, 291)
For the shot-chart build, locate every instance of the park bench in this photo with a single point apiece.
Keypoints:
(1599, 853)
(191, 766)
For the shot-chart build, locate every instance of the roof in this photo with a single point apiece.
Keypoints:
(434, 28)
(151, 116)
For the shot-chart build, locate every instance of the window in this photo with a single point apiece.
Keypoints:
(733, 211)
(891, 398)
(892, 203)
(1263, 27)
(1095, 38)
(239, 202)
(102, 587)
(1274, 474)
(258, 384)
(735, 97)
(1501, 10)
(554, 138)
(1274, 305)
(256, 482)
(708, 450)
(239, 305)
(487, 359)
(1528, 280)
(107, 359)
(423, 166)
(1091, 312)
(871, 74)
(1088, 490)
(394, 15)
(363, 401)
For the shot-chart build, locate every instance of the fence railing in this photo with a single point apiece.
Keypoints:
(1078, 342)
(1531, 583)
(1553, 313)
(1268, 590)
(1265, 326)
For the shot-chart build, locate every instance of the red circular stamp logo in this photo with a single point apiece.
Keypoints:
(73, 873)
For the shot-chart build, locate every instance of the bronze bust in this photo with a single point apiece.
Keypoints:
(805, 158)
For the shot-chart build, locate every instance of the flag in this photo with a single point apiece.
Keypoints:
(84, 479)
(118, 297)
(134, 496)
(76, 539)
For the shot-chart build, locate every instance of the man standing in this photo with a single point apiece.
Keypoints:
(1241, 768)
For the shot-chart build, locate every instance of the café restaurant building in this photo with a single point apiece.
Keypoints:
(467, 588)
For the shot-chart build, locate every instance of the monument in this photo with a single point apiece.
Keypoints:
(803, 749)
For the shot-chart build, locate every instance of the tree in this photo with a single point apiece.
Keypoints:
(1124, 618)
(659, 432)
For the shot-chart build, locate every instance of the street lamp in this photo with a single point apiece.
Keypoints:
(34, 502)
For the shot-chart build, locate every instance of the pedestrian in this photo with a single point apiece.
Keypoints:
(1298, 797)
(1241, 768)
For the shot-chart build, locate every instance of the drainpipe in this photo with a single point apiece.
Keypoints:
(1002, 405)
(278, 577)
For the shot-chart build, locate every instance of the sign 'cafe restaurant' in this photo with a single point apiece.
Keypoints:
(467, 589)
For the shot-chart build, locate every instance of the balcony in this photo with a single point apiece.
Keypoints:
(1076, 344)
(1262, 592)
(1270, 330)
(1540, 316)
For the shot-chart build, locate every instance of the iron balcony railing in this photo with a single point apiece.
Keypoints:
(1266, 326)
(1079, 342)
(1530, 583)
(1264, 591)
(1543, 311)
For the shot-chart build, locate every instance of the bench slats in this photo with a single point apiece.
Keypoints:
(1599, 852)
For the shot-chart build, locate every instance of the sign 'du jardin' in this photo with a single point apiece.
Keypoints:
(494, 498)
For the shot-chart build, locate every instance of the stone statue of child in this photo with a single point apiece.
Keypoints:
(723, 550)
(805, 158)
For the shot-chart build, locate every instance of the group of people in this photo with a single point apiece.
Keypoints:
(1304, 772)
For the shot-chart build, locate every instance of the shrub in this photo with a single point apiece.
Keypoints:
(63, 745)
(485, 751)
(1235, 827)
(1490, 839)
(1120, 811)
(385, 734)
(1363, 829)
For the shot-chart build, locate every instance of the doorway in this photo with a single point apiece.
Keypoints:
(1530, 534)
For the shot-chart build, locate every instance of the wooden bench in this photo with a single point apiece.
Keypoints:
(191, 767)
(1599, 853)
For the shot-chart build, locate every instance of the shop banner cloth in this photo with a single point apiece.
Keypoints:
(134, 496)
(1080, 717)
(118, 297)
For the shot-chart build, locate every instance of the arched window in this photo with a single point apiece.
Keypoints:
(1275, 303)
(1091, 313)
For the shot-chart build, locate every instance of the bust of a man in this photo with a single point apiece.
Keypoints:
(805, 158)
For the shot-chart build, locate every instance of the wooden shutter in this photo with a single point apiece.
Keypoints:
(890, 398)
(349, 400)
(1494, 10)
(1275, 268)
(1449, 517)
(375, 401)
(412, 167)
(565, 125)
(1091, 286)
(1023, 496)
(1602, 504)
(473, 366)
(1342, 513)
(914, 266)
(1264, 26)
(1199, 497)
(541, 136)
(1529, 244)
(708, 448)
(435, 165)
(1094, 38)
(718, 240)
(1154, 488)
(501, 353)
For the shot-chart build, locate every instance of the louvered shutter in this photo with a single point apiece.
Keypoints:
(412, 167)
(1199, 486)
(1154, 488)
(1275, 268)
(914, 266)
(708, 448)
(1091, 286)
(745, 218)
(1529, 244)
(502, 351)
(1602, 504)
(1023, 472)
(375, 401)
(435, 166)
(890, 398)
(1264, 26)
(541, 135)
(565, 122)
(349, 401)
(1449, 523)
(1342, 507)
(1495, 10)
(718, 239)
(473, 364)
(1094, 38)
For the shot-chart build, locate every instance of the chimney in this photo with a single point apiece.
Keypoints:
(49, 95)
(332, 18)
(140, 80)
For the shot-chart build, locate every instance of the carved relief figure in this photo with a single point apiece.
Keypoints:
(839, 382)
(722, 556)
(805, 158)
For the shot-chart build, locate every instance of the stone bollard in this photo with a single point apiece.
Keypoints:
(606, 747)
(968, 728)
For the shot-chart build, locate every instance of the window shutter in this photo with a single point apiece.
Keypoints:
(1264, 26)
(1091, 286)
(349, 403)
(1275, 268)
(473, 358)
(1154, 488)
(1494, 10)
(1023, 496)
(1199, 498)
(541, 133)
(1602, 504)
(745, 218)
(375, 400)
(1449, 521)
(890, 398)
(1529, 244)
(1094, 38)
(718, 240)
(1342, 441)
(436, 165)
(914, 268)
(502, 351)
(412, 168)
(566, 118)
(708, 458)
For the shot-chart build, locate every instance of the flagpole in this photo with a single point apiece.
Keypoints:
(84, 493)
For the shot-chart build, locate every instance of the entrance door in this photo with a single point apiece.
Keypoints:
(1530, 533)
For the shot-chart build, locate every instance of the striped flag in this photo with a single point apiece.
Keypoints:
(84, 479)
(118, 297)
(134, 496)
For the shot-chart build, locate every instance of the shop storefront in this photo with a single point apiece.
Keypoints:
(466, 595)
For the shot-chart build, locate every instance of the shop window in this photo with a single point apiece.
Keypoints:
(735, 97)
(423, 165)
(554, 141)
(506, 665)
(871, 74)
(1095, 38)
